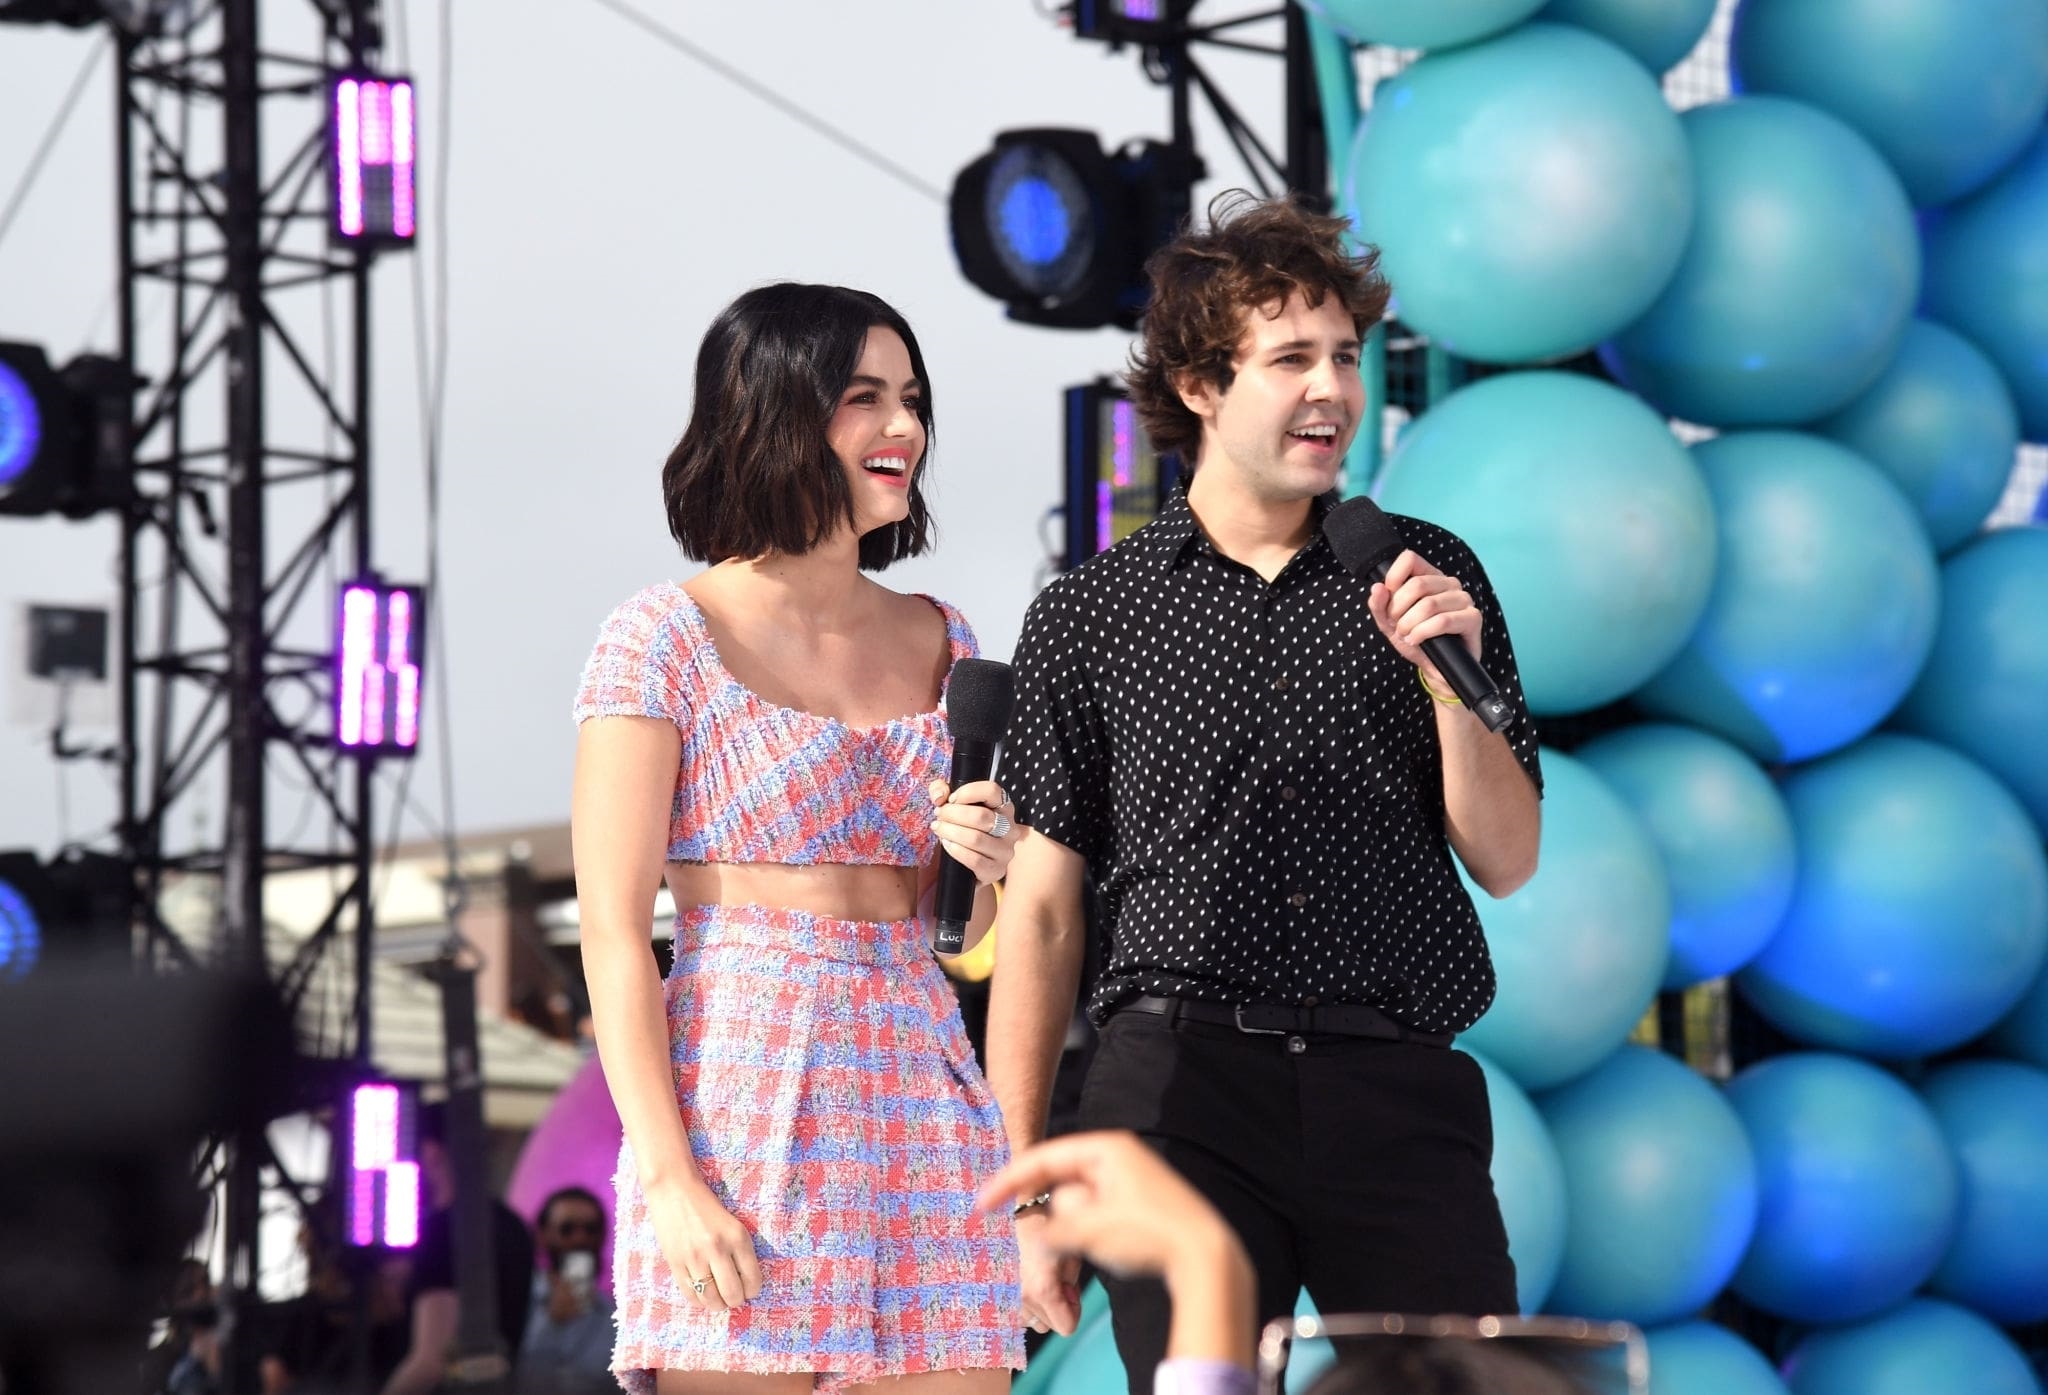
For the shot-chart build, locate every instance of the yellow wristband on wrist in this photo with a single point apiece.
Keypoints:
(1452, 701)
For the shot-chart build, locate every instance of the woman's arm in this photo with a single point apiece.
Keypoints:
(619, 819)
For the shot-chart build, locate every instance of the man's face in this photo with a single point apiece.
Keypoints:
(1281, 428)
(572, 1224)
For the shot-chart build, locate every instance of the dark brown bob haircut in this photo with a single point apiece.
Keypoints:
(754, 472)
(1253, 254)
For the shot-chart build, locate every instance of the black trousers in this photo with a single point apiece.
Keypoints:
(1355, 1168)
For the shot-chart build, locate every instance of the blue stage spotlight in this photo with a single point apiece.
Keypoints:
(75, 908)
(21, 929)
(1049, 224)
(63, 433)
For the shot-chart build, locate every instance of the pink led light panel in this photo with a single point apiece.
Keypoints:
(383, 1188)
(376, 144)
(402, 1205)
(377, 688)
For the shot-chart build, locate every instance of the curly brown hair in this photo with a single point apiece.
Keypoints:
(1255, 252)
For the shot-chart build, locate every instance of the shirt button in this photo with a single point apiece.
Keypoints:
(1288, 791)
(1298, 900)
(1280, 684)
(1310, 1001)
(1296, 1045)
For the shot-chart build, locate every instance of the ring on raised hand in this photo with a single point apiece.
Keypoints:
(697, 1286)
(1001, 827)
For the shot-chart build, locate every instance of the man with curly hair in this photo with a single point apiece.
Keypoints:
(1247, 748)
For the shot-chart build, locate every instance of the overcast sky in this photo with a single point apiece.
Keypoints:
(608, 195)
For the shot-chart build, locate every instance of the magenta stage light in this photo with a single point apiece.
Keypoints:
(382, 1191)
(377, 679)
(374, 156)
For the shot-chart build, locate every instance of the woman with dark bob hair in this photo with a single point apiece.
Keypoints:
(805, 1124)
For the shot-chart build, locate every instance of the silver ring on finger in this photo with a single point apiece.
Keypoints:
(1001, 827)
(697, 1286)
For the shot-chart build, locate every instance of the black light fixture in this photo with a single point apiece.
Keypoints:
(1059, 230)
(1116, 480)
(63, 433)
(74, 908)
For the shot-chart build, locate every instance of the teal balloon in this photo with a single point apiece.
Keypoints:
(1041, 1377)
(1579, 950)
(1090, 1365)
(1797, 282)
(1308, 1357)
(1920, 914)
(1995, 1117)
(1656, 33)
(1947, 93)
(2023, 1032)
(1916, 1349)
(1698, 1358)
(1857, 1189)
(1595, 528)
(1984, 277)
(1421, 23)
(1529, 195)
(1528, 1182)
(1660, 1189)
(1825, 597)
(1941, 423)
(1984, 689)
(1724, 834)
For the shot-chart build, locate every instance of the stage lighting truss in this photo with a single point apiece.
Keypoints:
(382, 1199)
(1058, 230)
(377, 687)
(373, 159)
(63, 434)
(1116, 481)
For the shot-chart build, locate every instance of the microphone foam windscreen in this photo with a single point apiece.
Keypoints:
(1361, 535)
(978, 699)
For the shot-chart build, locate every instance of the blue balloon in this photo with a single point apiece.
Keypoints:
(1310, 1357)
(1529, 195)
(1984, 259)
(1995, 1117)
(1421, 23)
(1580, 949)
(1724, 833)
(1920, 914)
(1090, 1365)
(1656, 33)
(2024, 1030)
(1698, 1358)
(1858, 1190)
(1985, 686)
(1824, 600)
(1797, 282)
(1593, 523)
(1660, 1189)
(1919, 1348)
(1941, 423)
(1528, 1182)
(1948, 95)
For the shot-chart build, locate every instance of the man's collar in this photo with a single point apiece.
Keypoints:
(1171, 535)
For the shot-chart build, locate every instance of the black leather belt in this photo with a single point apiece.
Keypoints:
(1280, 1019)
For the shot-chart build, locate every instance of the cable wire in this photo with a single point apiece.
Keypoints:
(762, 91)
(51, 136)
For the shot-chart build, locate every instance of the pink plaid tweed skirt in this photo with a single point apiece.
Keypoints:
(834, 1104)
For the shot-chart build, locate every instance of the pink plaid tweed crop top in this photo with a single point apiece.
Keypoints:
(762, 783)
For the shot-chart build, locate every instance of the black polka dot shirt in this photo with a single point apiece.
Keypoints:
(1254, 776)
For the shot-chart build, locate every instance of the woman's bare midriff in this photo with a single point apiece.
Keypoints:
(837, 891)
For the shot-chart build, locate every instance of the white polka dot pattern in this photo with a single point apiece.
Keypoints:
(1254, 776)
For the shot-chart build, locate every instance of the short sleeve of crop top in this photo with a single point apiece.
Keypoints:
(641, 665)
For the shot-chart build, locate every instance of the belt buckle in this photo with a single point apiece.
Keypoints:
(1237, 1015)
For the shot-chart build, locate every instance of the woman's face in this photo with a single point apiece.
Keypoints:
(876, 433)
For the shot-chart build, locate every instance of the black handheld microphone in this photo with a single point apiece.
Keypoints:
(978, 700)
(1366, 542)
